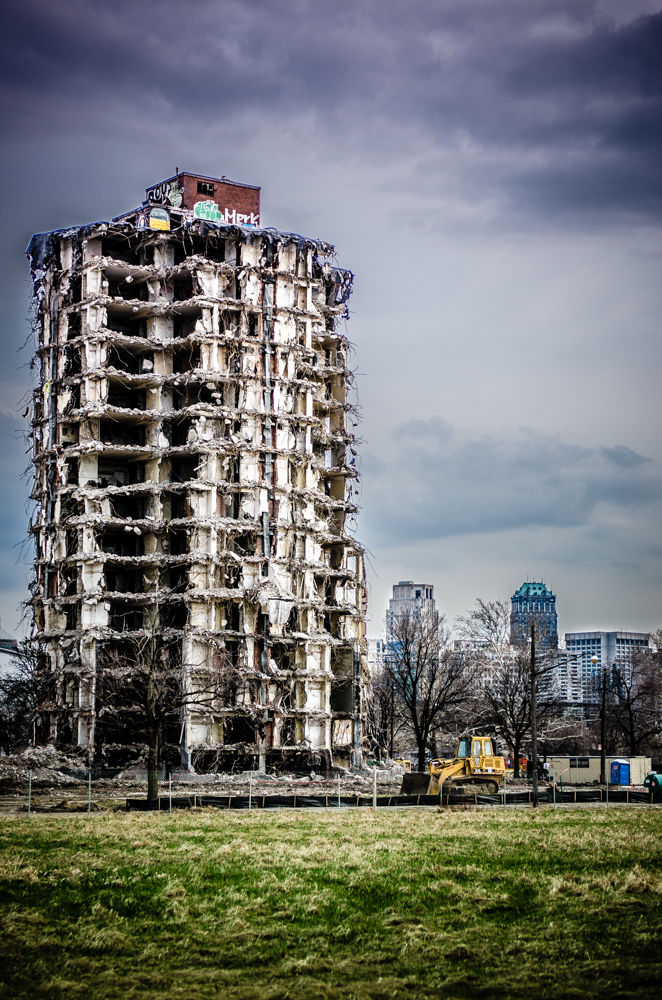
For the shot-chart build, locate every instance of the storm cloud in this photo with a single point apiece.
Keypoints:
(548, 104)
(450, 483)
(490, 171)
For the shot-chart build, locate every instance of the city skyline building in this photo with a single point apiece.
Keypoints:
(534, 602)
(190, 435)
(577, 677)
(408, 598)
(377, 652)
(571, 678)
(417, 598)
(8, 650)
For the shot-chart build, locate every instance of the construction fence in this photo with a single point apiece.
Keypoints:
(548, 796)
(92, 789)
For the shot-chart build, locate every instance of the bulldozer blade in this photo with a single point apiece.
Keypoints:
(415, 783)
(434, 787)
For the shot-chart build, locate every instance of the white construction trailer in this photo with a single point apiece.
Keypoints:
(586, 770)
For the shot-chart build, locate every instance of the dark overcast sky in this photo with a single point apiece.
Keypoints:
(491, 171)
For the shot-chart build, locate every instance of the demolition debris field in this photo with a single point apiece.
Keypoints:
(321, 905)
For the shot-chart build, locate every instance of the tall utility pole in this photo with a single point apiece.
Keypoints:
(534, 734)
(603, 728)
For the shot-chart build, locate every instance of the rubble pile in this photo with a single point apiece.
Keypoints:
(52, 770)
(352, 782)
(49, 770)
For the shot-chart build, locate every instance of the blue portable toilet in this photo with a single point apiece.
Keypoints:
(620, 772)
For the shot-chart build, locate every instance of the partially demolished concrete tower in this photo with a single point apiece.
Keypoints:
(193, 470)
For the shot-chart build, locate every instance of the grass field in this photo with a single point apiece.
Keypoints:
(407, 903)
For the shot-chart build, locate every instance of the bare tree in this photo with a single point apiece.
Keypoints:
(24, 692)
(143, 685)
(503, 673)
(429, 679)
(507, 672)
(385, 720)
(635, 697)
(561, 732)
(508, 704)
(487, 627)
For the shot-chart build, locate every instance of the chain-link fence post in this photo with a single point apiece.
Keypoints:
(89, 790)
(29, 792)
(374, 787)
(250, 790)
(339, 791)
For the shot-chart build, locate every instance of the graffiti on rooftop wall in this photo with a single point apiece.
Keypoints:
(169, 191)
(210, 212)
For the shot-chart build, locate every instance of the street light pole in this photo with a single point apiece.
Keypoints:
(534, 734)
(603, 724)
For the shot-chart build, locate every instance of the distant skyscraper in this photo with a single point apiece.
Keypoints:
(578, 677)
(534, 602)
(8, 650)
(376, 654)
(412, 597)
(408, 598)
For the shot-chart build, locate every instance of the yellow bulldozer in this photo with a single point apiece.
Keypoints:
(475, 767)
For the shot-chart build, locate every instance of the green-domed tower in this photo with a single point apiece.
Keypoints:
(534, 602)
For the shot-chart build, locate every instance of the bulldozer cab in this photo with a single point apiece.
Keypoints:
(475, 747)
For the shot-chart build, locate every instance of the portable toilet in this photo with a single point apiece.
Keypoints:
(620, 772)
